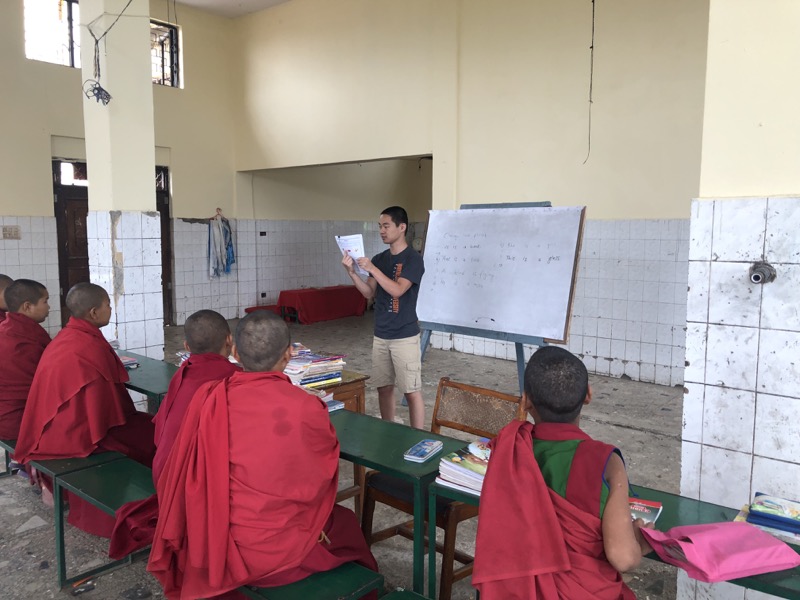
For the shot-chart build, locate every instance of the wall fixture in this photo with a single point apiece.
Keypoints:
(762, 272)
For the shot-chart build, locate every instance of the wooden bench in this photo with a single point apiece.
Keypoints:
(346, 582)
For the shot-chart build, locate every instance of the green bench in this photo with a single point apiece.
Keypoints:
(106, 486)
(403, 595)
(346, 582)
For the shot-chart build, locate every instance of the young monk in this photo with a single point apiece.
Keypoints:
(247, 494)
(22, 342)
(208, 338)
(78, 403)
(554, 520)
(5, 281)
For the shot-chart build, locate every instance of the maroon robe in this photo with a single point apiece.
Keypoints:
(248, 488)
(78, 405)
(22, 342)
(136, 521)
(532, 544)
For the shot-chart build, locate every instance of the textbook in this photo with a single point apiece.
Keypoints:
(463, 468)
(646, 510)
(334, 404)
(784, 536)
(128, 362)
(775, 512)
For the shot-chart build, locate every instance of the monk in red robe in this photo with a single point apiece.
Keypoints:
(22, 342)
(208, 339)
(247, 494)
(554, 521)
(78, 404)
(5, 281)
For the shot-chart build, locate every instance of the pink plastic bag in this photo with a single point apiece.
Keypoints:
(721, 551)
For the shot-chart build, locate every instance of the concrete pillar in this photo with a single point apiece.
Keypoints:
(123, 226)
(741, 434)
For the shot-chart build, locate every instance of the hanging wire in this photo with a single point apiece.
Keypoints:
(97, 40)
(591, 85)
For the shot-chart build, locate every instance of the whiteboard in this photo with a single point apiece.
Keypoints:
(506, 270)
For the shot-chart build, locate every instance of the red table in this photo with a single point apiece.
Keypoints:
(322, 304)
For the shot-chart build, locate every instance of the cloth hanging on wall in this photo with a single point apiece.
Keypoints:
(221, 254)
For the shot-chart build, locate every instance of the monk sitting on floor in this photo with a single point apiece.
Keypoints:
(78, 404)
(208, 339)
(5, 281)
(554, 520)
(22, 342)
(247, 493)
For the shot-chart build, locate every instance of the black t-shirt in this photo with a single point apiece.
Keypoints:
(396, 318)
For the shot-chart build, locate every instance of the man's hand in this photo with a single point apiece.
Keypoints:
(348, 263)
(366, 264)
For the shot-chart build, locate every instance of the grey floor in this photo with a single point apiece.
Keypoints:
(643, 420)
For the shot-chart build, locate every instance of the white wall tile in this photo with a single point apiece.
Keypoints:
(779, 298)
(134, 334)
(130, 225)
(690, 469)
(783, 223)
(778, 432)
(731, 356)
(733, 298)
(693, 397)
(725, 477)
(729, 418)
(739, 227)
(700, 231)
(696, 340)
(775, 477)
(778, 365)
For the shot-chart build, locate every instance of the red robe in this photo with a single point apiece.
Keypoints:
(247, 489)
(22, 342)
(549, 549)
(78, 405)
(136, 521)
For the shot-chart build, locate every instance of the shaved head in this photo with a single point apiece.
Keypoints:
(23, 290)
(83, 297)
(206, 331)
(5, 281)
(261, 340)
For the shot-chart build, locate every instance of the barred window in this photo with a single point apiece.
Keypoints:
(164, 54)
(52, 31)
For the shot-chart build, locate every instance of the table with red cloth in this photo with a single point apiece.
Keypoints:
(322, 304)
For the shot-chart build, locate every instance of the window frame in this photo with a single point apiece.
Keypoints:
(174, 54)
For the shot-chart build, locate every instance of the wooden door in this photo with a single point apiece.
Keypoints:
(162, 205)
(71, 208)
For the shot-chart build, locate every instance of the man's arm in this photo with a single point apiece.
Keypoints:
(367, 288)
(394, 288)
(623, 542)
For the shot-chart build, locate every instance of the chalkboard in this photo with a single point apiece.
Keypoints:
(506, 270)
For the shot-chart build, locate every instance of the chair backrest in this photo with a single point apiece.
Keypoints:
(476, 410)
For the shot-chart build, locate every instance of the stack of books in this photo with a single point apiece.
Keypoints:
(312, 370)
(464, 470)
(777, 516)
(128, 362)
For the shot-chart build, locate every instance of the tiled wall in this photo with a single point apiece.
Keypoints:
(34, 256)
(629, 310)
(741, 434)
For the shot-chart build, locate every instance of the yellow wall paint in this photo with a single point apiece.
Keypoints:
(345, 192)
(194, 126)
(751, 130)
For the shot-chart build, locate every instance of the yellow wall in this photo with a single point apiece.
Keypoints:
(751, 130)
(350, 192)
(496, 91)
(41, 116)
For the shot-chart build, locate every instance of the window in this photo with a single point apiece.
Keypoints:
(164, 53)
(52, 31)
(53, 34)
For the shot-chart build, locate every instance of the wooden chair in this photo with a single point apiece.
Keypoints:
(473, 410)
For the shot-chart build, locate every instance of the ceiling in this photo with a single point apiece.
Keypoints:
(232, 8)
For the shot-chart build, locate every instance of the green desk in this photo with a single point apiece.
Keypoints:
(380, 445)
(150, 378)
(677, 511)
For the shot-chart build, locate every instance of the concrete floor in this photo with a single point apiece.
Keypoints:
(643, 420)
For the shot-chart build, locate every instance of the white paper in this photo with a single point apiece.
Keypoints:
(354, 246)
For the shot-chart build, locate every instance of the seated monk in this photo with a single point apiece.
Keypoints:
(5, 281)
(78, 404)
(208, 338)
(22, 342)
(247, 494)
(554, 521)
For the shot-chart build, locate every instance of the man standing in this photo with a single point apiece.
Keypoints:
(394, 278)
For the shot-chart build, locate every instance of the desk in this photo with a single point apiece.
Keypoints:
(380, 445)
(150, 378)
(322, 304)
(678, 510)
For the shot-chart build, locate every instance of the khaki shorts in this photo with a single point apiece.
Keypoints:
(397, 362)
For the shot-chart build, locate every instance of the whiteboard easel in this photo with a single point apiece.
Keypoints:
(427, 327)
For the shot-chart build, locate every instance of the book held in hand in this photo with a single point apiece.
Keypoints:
(423, 450)
(646, 510)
